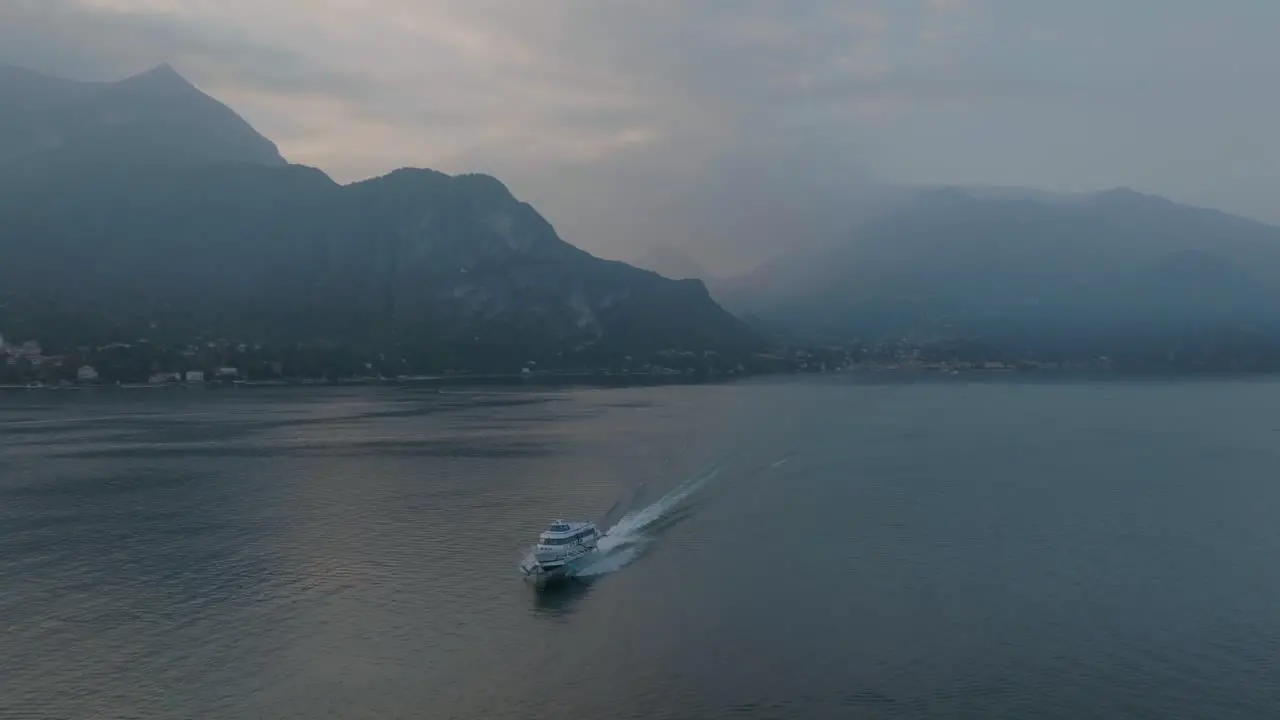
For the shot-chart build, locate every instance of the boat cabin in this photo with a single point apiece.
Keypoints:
(567, 533)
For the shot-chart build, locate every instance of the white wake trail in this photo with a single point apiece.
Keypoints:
(624, 542)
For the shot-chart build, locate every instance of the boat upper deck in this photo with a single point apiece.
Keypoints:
(561, 532)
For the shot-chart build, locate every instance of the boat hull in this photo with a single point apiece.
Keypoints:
(542, 575)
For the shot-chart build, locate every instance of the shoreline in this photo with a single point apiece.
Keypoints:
(487, 379)
(606, 380)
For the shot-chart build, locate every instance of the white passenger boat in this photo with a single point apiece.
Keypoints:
(563, 550)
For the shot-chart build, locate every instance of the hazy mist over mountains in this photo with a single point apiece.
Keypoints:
(735, 131)
(829, 172)
(955, 261)
(109, 187)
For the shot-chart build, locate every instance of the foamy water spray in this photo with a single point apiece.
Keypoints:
(624, 542)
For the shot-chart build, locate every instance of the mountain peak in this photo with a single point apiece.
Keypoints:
(1128, 194)
(160, 77)
(1126, 197)
(1121, 192)
(153, 117)
(164, 69)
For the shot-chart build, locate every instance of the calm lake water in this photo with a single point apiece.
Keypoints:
(823, 549)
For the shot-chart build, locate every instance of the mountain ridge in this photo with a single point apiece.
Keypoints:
(157, 114)
(952, 263)
(435, 271)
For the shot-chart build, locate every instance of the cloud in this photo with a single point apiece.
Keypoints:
(735, 126)
(583, 92)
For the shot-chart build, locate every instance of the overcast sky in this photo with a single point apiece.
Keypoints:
(736, 127)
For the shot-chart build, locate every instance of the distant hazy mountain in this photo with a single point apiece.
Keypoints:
(993, 262)
(102, 239)
(155, 117)
(672, 262)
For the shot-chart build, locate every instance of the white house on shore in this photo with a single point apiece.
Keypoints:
(86, 374)
(195, 376)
